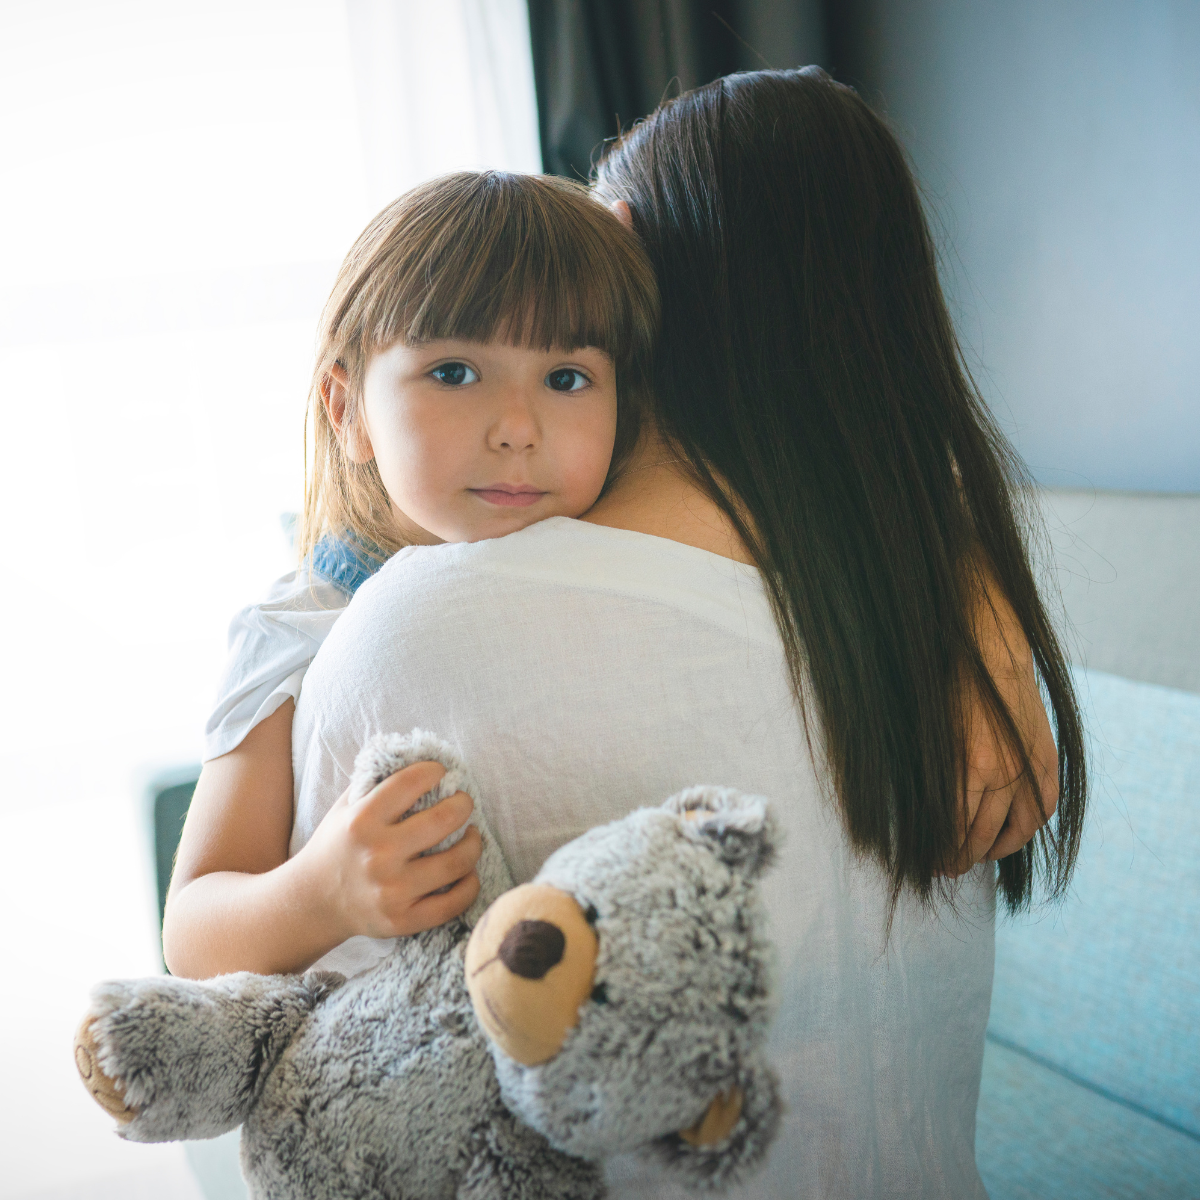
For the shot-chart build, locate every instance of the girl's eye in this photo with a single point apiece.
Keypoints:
(566, 379)
(454, 374)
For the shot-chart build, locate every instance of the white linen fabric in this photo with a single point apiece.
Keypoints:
(270, 646)
(585, 671)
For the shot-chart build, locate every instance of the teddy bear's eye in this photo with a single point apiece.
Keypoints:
(600, 994)
(591, 916)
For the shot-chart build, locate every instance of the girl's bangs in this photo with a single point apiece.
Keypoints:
(529, 304)
(525, 260)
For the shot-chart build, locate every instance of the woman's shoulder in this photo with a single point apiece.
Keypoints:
(458, 561)
(543, 563)
(569, 547)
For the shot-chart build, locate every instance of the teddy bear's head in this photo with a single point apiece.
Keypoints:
(626, 990)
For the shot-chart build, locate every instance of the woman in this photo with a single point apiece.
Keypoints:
(805, 584)
(806, 340)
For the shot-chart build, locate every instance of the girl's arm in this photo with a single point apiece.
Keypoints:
(238, 903)
(1003, 810)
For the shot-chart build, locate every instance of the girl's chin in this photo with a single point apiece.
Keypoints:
(501, 525)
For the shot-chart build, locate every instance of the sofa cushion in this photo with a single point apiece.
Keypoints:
(1107, 988)
(1041, 1135)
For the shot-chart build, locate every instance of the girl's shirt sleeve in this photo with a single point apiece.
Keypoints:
(270, 647)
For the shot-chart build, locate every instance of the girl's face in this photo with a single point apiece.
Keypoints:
(474, 440)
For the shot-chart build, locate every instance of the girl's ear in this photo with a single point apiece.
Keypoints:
(623, 213)
(353, 435)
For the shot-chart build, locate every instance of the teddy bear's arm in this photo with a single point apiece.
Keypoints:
(187, 1059)
(513, 1162)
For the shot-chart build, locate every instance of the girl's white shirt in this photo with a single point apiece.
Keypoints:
(585, 671)
(270, 646)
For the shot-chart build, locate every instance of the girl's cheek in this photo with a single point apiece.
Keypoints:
(590, 466)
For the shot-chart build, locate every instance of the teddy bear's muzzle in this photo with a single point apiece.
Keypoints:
(529, 966)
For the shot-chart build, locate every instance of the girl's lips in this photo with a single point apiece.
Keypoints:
(506, 498)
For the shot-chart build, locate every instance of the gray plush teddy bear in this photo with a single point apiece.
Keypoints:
(617, 1003)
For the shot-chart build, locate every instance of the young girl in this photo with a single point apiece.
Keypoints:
(478, 369)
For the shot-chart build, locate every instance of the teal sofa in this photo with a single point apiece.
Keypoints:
(1091, 1078)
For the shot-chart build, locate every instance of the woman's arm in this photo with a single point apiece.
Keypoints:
(238, 903)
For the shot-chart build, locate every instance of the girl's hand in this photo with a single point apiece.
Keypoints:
(366, 858)
(1002, 810)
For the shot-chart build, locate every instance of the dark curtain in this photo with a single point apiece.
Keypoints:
(599, 65)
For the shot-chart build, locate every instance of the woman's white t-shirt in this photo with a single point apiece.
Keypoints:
(585, 671)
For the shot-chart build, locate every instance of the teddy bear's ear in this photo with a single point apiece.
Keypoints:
(739, 829)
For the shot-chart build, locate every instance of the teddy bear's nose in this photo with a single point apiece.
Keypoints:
(531, 948)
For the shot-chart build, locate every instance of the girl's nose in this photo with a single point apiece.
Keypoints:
(516, 426)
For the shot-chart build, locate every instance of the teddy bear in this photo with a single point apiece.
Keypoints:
(617, 1003)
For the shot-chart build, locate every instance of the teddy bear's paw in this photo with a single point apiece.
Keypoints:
(730, 1142)
(718, 1121)
(107, 1092)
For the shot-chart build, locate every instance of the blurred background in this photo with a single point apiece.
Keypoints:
(179, 182)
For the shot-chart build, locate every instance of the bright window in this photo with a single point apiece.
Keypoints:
(178, 182)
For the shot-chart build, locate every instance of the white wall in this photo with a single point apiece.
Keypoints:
(1060, 143)
(1124, 570)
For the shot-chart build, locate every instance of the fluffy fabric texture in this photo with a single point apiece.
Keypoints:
(682, 994)
(194, 1058)
(385, 1085)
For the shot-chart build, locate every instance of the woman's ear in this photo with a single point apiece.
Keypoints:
(352, 433)
(623, 213)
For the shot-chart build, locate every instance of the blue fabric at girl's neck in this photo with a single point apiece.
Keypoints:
(345, 562)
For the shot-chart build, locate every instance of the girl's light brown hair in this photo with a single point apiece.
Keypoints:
(529, 258)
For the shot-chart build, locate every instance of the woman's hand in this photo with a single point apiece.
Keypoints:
(369, 861)
(1003, 813)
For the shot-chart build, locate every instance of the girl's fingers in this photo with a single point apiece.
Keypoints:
(399, 792)
(433, 871)
(438, 909)
(1012, 837)
(1026, 817)
(993, 811)
(959, 863)
(989, 811)
(422, 831)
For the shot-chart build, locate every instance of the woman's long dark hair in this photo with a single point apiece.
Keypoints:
(810, 376)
